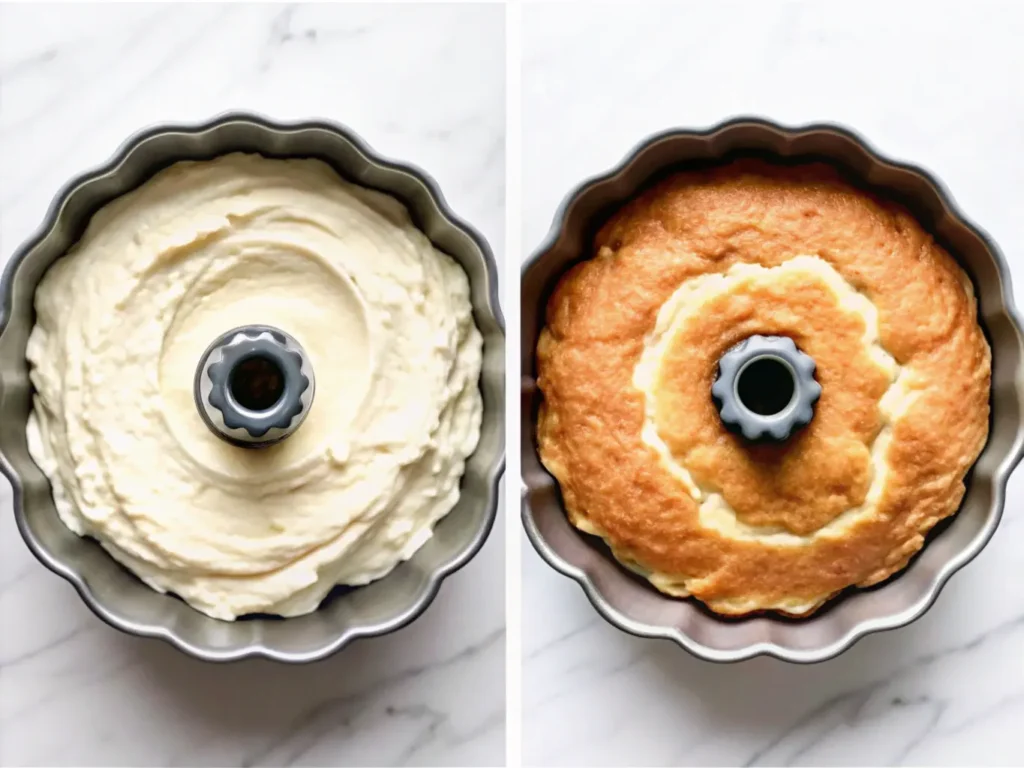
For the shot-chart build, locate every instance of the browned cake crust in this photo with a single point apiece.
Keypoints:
(638, 449)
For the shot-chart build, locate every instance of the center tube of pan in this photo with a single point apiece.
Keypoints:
(254, 386)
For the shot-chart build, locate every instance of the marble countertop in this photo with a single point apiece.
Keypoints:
(936, 87)
(74, 82)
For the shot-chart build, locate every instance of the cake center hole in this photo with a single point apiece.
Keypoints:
(766, 386)
(257, 383)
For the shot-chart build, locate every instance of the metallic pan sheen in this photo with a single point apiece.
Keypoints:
(634, 606)
(113, 593)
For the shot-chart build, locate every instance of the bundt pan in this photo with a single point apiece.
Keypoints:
(111, 591)
(629, 602)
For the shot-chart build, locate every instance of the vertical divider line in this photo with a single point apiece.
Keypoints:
(513, 264)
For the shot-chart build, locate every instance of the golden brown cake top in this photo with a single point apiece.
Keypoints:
(687, 270)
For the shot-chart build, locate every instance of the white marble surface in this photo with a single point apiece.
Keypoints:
(420, 83)
(937, 83)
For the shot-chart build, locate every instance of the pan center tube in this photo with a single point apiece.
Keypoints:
(254, 386)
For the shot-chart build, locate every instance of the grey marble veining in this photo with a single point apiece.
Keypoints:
(934, 84)
(423, 84)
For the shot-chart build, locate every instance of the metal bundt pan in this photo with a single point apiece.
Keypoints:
(113, 593)
(632, 604)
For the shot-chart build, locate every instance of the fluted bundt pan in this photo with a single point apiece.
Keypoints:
(628, 601)
(116, 595)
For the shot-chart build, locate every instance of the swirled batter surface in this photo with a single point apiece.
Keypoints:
(199, 249)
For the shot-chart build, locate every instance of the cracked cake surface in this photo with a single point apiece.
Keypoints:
(685, 271)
